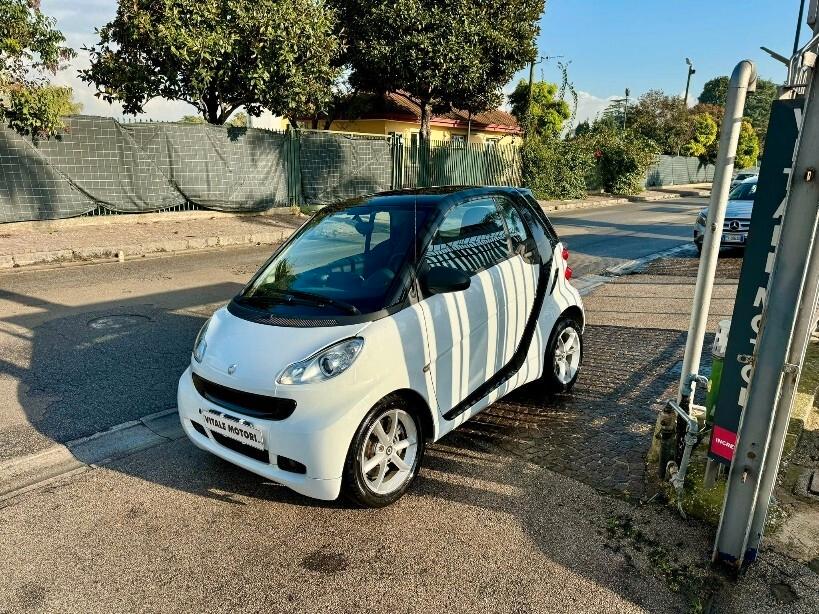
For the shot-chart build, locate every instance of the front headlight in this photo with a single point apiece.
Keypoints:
(323, 365)
(200, 345)
(702, 219)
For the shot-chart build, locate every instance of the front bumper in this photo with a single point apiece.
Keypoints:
(737, 239)
(322, 452)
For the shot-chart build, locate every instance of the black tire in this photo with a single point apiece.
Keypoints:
(699, 248)
(354, 486)
(550, 380)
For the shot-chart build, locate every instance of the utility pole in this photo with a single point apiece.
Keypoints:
(625, 107)
(691, 71)
(789, 300)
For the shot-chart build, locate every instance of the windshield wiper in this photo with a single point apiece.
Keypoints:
(310, 297)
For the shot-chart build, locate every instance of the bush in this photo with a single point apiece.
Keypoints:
(623, 157)
(554, 168)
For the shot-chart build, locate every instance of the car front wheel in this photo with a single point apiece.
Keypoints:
(384, 455)
(564, 356)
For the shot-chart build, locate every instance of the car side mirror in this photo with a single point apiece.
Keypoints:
(442, 279)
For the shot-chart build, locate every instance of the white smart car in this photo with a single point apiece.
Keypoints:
(383, 323)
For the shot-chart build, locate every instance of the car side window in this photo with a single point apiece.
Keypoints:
(471, 238)
(542, 230)
(518, 231)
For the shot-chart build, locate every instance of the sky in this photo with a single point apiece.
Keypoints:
(610, 44)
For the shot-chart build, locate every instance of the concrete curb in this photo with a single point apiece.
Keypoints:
(596, 202)
(97, 253)
(23, 474)
(20, 475)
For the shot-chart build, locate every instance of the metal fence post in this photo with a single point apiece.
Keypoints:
(769, 392)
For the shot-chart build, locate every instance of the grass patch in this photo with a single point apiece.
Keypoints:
(697, 582)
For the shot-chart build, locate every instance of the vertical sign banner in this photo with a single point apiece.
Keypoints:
(783, 130)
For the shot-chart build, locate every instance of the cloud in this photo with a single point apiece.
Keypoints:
(158, 109)
(589, 106)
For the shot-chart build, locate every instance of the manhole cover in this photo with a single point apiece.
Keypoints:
(117, 321)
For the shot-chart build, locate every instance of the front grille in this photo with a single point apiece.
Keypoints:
(738, 226)
(241, 448)
(245, 403)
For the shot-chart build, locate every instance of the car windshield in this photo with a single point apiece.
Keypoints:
(744, 191)
(346, 260)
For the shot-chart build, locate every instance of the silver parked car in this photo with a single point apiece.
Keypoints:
(737, 216)
(743, 175)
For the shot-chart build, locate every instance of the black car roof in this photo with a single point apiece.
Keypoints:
(426, 197)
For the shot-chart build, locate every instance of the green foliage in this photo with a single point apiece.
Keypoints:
(441, 52)
(30, 48)
(192, 119)
(547, 114)
(554, 168)
(757, 105)
(623, 157)
(239, 120)
(662, 119)
(747, 147)
(703, 136)
(217, 55)
(582, 128)
(714, 91)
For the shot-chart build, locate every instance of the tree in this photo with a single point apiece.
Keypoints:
(192, 119)
(747, 147)
(703, 135)
(582, 128)
(436, 49)
(31, 48)
(547, 114)
(623, 157)
(757, 104)
(217, 56)
(714, 91)
(239, 120)
(662, 119)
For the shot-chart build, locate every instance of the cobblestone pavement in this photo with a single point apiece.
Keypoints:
(728, 266)
(600, 433)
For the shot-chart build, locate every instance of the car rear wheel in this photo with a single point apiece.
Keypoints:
(564, 355)
(384, 455)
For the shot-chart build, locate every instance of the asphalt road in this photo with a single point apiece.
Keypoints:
(602, 238)
(83, 348)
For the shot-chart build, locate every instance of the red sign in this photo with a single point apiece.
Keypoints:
(723, 443)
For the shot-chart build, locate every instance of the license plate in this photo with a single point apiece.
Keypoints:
(733, 238)
(233, 427)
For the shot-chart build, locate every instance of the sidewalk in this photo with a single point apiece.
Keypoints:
(107, 237)
(131, 236)
(696, 190)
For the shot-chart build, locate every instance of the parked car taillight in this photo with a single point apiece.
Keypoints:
(568, 272)
(565, 253)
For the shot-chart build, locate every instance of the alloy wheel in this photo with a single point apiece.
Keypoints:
(388, 452)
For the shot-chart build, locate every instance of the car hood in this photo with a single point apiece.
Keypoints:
(249, 356)
(736, 209)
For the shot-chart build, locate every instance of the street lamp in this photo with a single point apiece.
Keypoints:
(691, 71)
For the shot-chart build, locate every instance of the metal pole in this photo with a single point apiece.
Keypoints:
(798, 27)
(743, 80)
(769, 394)
(529, 101)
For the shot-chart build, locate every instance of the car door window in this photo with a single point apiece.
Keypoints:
(472, 237)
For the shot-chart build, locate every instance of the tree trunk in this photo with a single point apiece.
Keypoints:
(212, 109)
(315, 122)
(424, 145)
(426, 112)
